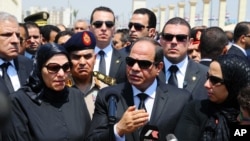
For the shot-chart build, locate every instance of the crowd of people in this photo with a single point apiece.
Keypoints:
(95, 82)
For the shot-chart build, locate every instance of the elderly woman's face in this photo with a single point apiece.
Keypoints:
(55, 71)
(217, 91)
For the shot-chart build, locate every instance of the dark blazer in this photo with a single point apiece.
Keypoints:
(194, 80)
(165, 113)
(23, 67)
(234, 50)
(204, 62)
(118, 66)
(125, 50)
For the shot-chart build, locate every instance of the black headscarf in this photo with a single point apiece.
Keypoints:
(236, 75)
(44, 53)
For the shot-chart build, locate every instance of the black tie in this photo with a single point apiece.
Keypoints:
(173, 79)
(102, 65)
(6, 77)
(142, 97)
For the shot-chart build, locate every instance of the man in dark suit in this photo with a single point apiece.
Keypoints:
(142, 24)
(212, 44)
(188, 74)
(161, 105)
(241, 40)
(15, 68)
(109, 61)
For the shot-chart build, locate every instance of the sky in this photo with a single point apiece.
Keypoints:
(123, 8)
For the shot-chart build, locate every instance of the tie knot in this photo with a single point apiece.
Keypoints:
(173, 69)
(142, 96)
(101, 53)
(5, 65)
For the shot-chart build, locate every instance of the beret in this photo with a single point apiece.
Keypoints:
(39, 18)
(81, 41)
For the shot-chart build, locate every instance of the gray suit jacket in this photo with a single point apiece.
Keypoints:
(168, 105)
(194, 80)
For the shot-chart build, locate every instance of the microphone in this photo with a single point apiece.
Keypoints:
(149, 133)
(112, 99)
(171, 137)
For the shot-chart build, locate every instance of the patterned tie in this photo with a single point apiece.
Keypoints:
(102, 65)
(173, 79)
(142, 97)
(6, 77)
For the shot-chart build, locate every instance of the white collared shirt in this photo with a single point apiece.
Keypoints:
(149, 102)
(180, 74)
(11, 71)
(108, 56)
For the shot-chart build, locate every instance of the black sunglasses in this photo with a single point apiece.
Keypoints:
(137, 26)
(214, 80)
(143, 64)
(179, 37)
(99, 24)
(54, 67)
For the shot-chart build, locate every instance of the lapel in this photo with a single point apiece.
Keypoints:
(128, 100)
(127, 94)
(116, 61)
(159, 103)
(21, 70)
(192, 76)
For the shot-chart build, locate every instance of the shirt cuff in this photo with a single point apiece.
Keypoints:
(117, 137)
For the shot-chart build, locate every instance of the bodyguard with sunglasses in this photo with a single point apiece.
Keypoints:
(45, 108)
(178, 68)
(141, 24)
(143, 100)
(109, 61)
(211, 119)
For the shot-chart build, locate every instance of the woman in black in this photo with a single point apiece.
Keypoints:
(210, 120)
(46, 109)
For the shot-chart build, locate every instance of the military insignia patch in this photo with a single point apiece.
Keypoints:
(86, 39)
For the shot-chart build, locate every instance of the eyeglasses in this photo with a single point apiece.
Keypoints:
(179, 37)
(247, 35)
(137, 26)
(143, 64)
(214, 80)
(99, 24)
(54, 67)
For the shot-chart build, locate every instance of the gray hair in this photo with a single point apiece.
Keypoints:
(4, 16)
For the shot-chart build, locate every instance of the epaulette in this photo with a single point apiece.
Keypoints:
(104, 78)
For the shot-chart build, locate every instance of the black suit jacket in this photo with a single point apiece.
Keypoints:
(204, 62)
(194, 80)
(168, 105)
(118, 66)
(234, 50)
(23, 67)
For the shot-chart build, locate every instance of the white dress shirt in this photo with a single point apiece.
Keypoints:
(11, 71)
(149, 102)
(180, 74)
